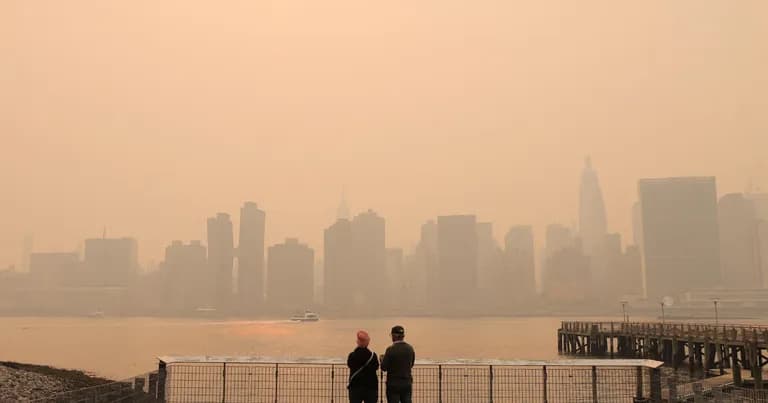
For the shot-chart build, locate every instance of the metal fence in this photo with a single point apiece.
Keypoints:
(222, 379)
(702, 393)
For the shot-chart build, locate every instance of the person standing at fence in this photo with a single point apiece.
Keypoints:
(363, 363)
(398, 362)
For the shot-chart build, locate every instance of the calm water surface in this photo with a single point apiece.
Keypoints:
(122, 347)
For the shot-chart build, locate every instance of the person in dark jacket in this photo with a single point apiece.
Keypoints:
(398, 362)
(363, 364)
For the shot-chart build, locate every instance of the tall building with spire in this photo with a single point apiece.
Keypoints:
(250, 256)
(592, 222)
(342, 213)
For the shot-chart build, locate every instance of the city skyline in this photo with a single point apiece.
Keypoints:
(290, 107)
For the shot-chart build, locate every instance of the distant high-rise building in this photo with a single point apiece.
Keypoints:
(290, 276)
(355, 254)
(681, 244)
(592, 220)
(54, 268)
(760, 201)
(519, 255)
(221, 255)
(396, 280)
(339, 275)
(370, 250)
(492, 283)
(457, 258)
(111, 262)
(566, 277)
(739, 241)
(186, 277)
(558, 237)
(250, 256)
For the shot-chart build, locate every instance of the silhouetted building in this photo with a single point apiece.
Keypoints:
(592, 220)
(290, 276)
(250, 257)
(56, 269)
(681, 243)
(566, 277)
(519, 255)
(340, 276)
(187, 277)
(739, 247)
(396, 280)
(111, 261)
(558, 237)
(457, 258)
(370, 259)
(221, 255)
(492, 283)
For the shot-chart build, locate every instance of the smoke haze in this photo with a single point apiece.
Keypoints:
(149, 116)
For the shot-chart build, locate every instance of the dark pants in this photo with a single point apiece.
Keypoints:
(363, 395)
(399, 393)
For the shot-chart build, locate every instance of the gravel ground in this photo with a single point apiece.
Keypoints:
(19, 382)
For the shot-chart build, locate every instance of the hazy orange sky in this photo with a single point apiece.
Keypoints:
(148, 116)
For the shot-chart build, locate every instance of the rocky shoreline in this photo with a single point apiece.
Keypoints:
(25, 382)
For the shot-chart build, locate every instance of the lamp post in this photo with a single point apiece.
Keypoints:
(715, 301)
(625, 317)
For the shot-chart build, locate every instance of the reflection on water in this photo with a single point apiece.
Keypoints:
(122, 347)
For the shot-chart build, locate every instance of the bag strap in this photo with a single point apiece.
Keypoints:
(359, 370)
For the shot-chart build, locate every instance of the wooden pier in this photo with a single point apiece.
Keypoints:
(702, 347)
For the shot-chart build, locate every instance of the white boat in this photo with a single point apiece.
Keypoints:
(308, 316)
(96, 314)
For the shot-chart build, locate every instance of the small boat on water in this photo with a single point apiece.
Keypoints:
(308, 316)
(98, 314)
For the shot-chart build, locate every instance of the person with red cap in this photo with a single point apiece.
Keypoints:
(363, 363)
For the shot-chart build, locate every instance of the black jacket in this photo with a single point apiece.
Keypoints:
(397, 362)
(367, 378)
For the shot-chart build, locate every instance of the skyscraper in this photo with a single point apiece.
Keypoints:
(493, 286)
(221, 253)
(370, 258)
(681, 242)
(520, 260)
(456, 264)
(592, 221)
(186, 277)
(291, 276)
(111, 261)
(355, 254)
(566, 276)
(339, 276)
(250, 256)
(739, 241)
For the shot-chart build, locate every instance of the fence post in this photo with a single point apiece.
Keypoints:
(333, 383)
(490, 383)
(440, 384)
(224, 383)
(594, 384)
(277, 379)
(544, 383)
(162, 374)
(656, 385)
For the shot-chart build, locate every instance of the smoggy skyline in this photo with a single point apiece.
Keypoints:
(149, 117)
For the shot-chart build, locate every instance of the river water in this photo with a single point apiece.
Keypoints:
(122, 347)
